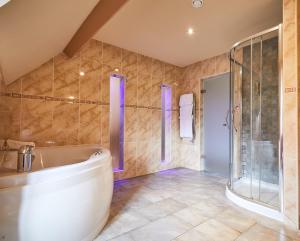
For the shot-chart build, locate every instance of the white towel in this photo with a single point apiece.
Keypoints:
(186, 116)
(187, 99)
(13, 144)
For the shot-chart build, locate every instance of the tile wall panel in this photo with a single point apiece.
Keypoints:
(55, 105)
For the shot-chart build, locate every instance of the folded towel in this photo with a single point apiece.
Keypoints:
(186, 99)
(13, 144)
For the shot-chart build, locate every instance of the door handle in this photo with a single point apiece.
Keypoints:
(226, 120)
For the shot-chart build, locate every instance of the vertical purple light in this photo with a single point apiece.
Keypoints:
(122, 108)
(116, 120)
(166, 123)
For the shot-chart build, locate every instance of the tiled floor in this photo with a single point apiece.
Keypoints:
(184, 205)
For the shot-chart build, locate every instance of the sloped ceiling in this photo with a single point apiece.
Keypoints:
(33, 31)
(157, 28)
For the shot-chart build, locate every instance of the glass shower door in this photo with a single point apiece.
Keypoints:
(255, 124)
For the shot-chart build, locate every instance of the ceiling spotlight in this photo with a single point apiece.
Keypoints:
(117, 70)
(190, 31)
(81, 73)
(197, 3)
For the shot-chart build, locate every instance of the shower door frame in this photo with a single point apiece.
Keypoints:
(280, 119)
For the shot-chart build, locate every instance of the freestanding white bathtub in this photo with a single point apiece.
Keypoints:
(66, 197)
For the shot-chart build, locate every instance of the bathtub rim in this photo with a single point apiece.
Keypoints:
(56, 173)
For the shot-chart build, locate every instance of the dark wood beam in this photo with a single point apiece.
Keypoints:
(102, 12)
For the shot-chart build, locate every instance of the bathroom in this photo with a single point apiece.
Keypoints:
(183, 127)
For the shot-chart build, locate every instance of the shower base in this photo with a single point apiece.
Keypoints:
(253, 206)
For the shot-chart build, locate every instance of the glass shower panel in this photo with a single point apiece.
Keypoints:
(255, 116)
(241, 68)
(269, 144)
(255, 119)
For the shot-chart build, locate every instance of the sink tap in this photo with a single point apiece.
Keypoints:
(25, 158)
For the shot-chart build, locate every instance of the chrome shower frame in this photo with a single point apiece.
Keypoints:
(280, 97)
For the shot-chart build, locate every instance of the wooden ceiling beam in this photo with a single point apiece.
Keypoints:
(101, 13)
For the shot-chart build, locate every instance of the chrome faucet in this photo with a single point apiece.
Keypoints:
(25, 158)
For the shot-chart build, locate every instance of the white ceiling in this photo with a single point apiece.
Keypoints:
(157, 28)
(33, 31)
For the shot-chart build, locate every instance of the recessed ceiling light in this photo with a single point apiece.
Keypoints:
(197, 3)
(3, 2)
(190, 31)
(81, 73)
(117, 69)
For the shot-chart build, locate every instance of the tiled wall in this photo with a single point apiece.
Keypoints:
(54, 105)
(291, 111)
(190, 154)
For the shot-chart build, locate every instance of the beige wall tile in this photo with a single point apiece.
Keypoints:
(158, 68)
(66, 76)
(105, 83)
(222, 63)
(143, 124)
(112, 56)
(143, 161)
(156, 125)
(90, 85)
(130, 154)
(105, 124)
(144, 93)
(14, 87)
(36, 121)
(290, 112)
(65, 124)
(11, 114)
(75, 123)
(144, 65)
(90, 124)
(91, 56)
(131, 124)
(39, 81)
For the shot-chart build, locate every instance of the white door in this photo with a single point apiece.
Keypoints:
(216, 117)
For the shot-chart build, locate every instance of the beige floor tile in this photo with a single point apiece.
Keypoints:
(208, 209)
(261, 233)
(161, 209)
(235, 220)
(125, 237)
(121, 224)
(191, 215)
(163, 229)
(284, 229)
(192, 235)
(184, 205)
(217, 231)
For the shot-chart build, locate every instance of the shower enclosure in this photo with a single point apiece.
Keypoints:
(255, 166)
